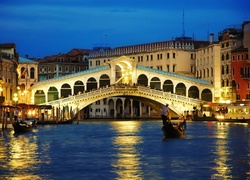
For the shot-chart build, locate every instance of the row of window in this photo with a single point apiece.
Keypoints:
(238, 98)
(67, 69)
(204, 61)
(225, 57)
(244, 72)
(227, 44)
(141, 58)
(78, 58)
(205, 73)
(25, 72)
(239, 57)
(225, 69)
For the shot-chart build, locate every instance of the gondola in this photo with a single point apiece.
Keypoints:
(171, 130)
(22, 126)
(55, 122)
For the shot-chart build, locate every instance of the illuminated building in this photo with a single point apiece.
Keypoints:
(28, 76)
(8, 72)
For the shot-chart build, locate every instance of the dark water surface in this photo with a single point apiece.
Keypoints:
(126, 150)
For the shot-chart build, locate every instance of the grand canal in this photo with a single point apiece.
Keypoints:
(126, 150)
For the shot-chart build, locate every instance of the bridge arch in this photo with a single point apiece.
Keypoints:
(180, 89)
(168, 86)
(104, 80)
(91, 84)
(39, 97)
(111, 110)
(206, 95)
(53, 94)
(119, 108)
(155, 83)
(78, 87)
(193, 92)
(65, 90)
(142, 80)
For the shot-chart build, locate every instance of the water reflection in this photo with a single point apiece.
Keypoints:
(20, 154)
(222, 168)
(128, 164)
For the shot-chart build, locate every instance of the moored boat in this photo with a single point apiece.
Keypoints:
(171, 130)
(70, 121)
(23, 126)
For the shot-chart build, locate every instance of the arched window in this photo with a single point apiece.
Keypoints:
(222, 57)
(227, 69)
(32, 73)
(227, 56)
(23, 72)
(222, 69)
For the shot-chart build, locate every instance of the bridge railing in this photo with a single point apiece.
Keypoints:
(111, 89)
(192, 79)
(170, 95)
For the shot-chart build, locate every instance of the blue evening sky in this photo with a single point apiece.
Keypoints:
(47, 27)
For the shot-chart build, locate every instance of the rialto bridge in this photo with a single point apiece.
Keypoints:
(121, 88)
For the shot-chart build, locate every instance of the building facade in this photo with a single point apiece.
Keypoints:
(62, 64)
(28, 76)
(229, 39)
(9, 73)
(241, 75)
(208, 65)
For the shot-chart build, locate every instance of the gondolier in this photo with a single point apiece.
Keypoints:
(165, 114)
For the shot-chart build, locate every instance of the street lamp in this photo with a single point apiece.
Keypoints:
(15, 98)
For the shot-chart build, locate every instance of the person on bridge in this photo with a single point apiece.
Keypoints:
(165, 114)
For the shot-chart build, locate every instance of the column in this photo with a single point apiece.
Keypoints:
(115, 112)
(149, 111)
(53, 113)
(123, 107)
(131, 108)
(140, 109)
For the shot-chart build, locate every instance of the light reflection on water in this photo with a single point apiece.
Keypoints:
(19, 156)
(128, 157)
(126, 150)
(222, 153)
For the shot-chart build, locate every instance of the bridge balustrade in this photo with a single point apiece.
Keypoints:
(112, 90)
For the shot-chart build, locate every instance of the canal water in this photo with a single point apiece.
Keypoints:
(125, 150)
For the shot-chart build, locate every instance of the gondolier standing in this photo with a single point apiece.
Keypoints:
(165, 114)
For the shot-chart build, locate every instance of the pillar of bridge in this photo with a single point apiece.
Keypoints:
(57, 113)
(115, 109)
(131, 108)
(140, 109)
(123, 107)
(149, 112)
(107, 112)
(53, 113)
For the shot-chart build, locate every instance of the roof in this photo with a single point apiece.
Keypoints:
(240, 49)
(7, 45)
(25, 60)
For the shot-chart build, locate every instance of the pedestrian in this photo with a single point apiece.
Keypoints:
(165, 114)
(15, 114)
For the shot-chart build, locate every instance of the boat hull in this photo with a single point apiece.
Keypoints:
(171, 131)
(55, 122)
(22, 127)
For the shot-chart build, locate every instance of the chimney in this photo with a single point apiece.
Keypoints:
(211, 38)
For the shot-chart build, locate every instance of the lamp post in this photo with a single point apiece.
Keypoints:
(15, 98)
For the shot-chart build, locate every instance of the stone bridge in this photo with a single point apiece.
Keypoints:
(151, 97)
